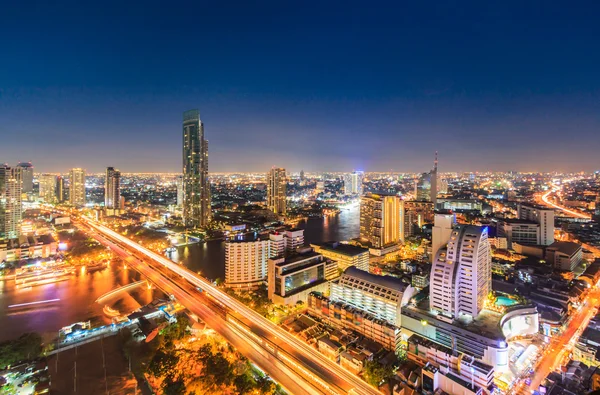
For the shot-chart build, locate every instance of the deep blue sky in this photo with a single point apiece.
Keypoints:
(321, 85)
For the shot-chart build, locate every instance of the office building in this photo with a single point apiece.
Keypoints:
(380, 220)
(11, 191)
(77, 187)
(427, 184)
(461, 275)
(353, 183)
(518, 231)
(416, 214)
(345, 255)
(542, 216)
(287, 242)
(47, 185)
(112, 191)
(196, 186)
(291, 279)
(277, 191)
(564, 255)
(61, 191)
(27, 176)
(246, 263)
(381, 296)
(440, 233)
(179, 185)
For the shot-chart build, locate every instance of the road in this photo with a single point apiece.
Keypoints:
(563, 344)
(294, 364)
(547, 202)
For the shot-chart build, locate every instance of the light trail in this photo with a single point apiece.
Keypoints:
(34, 303)
(116, 291)
(544, 198)
(306, 351)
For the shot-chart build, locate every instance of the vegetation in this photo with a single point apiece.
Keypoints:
(26, 348)
(376, 373)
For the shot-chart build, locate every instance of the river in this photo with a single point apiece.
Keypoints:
(78, 294)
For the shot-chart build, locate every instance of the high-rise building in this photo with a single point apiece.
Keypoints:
(246, 263)
(380, 220)
(277, 190)
(461, 275)
(196, 187)
(47, 191)
(441, 231)
(27, 175)
(353, 183)
(112, 189)
(11, 190)
(426, 187)
(77, 187)
(179, 183)
(60, 191)
(542, 216)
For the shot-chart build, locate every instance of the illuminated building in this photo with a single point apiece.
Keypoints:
(461, 275)
(11, 190)
(564, 255)
(353, 183)
(415, 214)
(442, 228)
(542, 216)
(444, 186)
(380, 220)
(61, 192)
(27, 175)
(518, 231)
(77, 187)
(196, 187)
(246, 263)
(345, 255)
(277, 190)
(287, 242)
(47, 192)
(112, 190)
(426, 185)
(179, 183)
(291, 279)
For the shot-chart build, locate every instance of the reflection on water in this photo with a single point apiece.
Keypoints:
(78, 294)
(77, 301)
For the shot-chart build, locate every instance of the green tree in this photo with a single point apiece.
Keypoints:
(375, 373)
(163, 363)
(172, 386)
(175, 331)
(25, 348)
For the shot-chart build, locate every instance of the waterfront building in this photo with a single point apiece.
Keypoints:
(27, 176)
(277, 190)
(77, 187)
(246, 263)
(440, 233)
(381, 296)
(353, 183)
(542, 216)
(196, 186)
(345, 255)
(291, 279)
(27, 247)
(47, 185)
(461, 275)
(11, 191)
(287, 242)
(380, 220)
(112, 191)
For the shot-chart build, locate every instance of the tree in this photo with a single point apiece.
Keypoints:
(375, 373)
(25, 348)
(172, 386)
(175, 331)
(163, 363)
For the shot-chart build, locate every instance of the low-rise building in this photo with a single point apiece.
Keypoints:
(564, 255)
(27, 247)
(345, 255)
(330, 348)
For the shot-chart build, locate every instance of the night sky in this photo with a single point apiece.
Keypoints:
(321, 85)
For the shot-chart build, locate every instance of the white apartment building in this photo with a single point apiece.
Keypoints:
(353, 183)
(246, 264)
(440, 233)
(542, 216)
(11, 190)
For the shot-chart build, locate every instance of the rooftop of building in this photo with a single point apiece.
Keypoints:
(517, 221)
(340, 248)
(565, 247)
(590, 335)
(393, 283)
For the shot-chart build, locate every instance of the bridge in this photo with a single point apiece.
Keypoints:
(295, 365)
(119, 290)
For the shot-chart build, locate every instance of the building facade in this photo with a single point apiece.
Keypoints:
(353, 183)
(542, 216)
(47, 185)
(27, 176)
(246, 264)
(196, 186)
(441, 231)
(380, 220)
(277, 191)
(77, 187)
(112, 189)
(11, 191)
(345, 255)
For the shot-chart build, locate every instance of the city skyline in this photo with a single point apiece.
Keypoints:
(376, 94)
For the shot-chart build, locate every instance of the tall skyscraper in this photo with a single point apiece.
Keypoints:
(47, 191)
(461, 275)
(380, 220)
(426, 187)
(353, 183)
(77, 187)
(277, 190)
(112, 189)
(11, 190)
(441, 231)
(60, 191)
(27, 175)
(196, 187)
